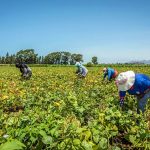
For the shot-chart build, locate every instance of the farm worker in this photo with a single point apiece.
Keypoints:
(111, 73)
(81, 70)
(25, 70)
(135, 84)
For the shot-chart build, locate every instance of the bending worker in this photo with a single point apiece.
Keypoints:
(26, 72)
(81, 70)
(111, 73)
(135, 84)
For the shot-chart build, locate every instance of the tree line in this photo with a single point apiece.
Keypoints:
(30, 57)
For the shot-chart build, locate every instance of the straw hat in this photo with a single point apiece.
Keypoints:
(125, 80)
(104, 69)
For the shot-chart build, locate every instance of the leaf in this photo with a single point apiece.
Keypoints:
(130, 112)
(132, 139)
(107, 117)
(87, 134)
(81, 109)
(47, 140)
(96, 138)
(62, 145)
(4, 97)
(133, 130)
(43, 133)
(116, 148)
(95, 131)
(76, 142)
(33, 139)
(80, 130)
(114, 128)
(23, 135)
(53, 130)
(86, 145)
(12, 145)
(103, 143)
(11, 121)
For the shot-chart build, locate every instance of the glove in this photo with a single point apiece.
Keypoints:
(121, 102)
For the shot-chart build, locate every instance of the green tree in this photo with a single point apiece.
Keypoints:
(39, 59)
(42, 60)
(13, 59)
(7, 58)
(3, 60)
(76, 57)
(27, 56)
(49, 59)
(94, 60)
(65, 57)
(57, 58)
(79, 57)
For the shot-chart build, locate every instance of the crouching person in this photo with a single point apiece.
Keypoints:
(110, 72)
(81, 70)
(26, 72)
(135, 84)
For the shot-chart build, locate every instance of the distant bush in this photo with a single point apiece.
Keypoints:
(89, 64)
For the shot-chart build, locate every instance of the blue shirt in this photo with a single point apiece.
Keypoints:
(141, 84)
(109, 72)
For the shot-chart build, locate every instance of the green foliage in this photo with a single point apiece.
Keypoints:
(12, 145)
(62, 58)
(56, 110)
(27, 56)
(94, 60)
(89, 64)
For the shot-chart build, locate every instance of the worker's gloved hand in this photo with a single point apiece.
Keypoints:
(121, 102)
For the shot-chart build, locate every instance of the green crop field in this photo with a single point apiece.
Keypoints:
(56, 110)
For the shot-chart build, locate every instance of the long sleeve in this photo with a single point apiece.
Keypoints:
(21, 70)
(122, 96)
(105, 74)
(78, 70)
(146, 83)
(24, 66)
(81, 70)
(109, 75)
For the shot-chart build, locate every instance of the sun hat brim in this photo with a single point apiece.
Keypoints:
(129, 83)
(77, 64)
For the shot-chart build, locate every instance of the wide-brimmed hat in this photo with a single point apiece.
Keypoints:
(125, 80)
(78, 64)
(104, 69)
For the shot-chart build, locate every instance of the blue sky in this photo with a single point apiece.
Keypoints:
(113, 30)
